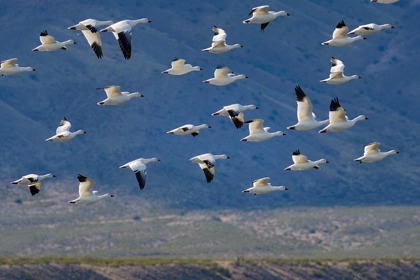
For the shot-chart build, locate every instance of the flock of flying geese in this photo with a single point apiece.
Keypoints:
(122, 31)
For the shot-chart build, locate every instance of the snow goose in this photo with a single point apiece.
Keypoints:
(63, 133)
(262, 186)
(338, 118)
(116, 97)
(261, 15)
(306, 118)
(33, 181)
(302, 163)
(373, 154)
(180, 68)
(189, 129)
(235, 113)
(385, 1)
(337, 76)
(89, 28)
(222, 77)
(49, 44)
(218, 44)
(258, 133)
(122, 32)
(206, 163)
(340, 38)
(9, 67)
(138, 166)
(370, 28)
(86, 195)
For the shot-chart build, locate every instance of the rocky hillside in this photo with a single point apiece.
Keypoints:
(81, 269)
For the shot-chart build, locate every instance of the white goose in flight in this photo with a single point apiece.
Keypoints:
(373, 154)
(218, 44)
(116, 97)
(189, 129)
(235, 112)
(262, 186)
(178, 67)
(302, 163)
(337, 76)
(33, 181)
(122, 32)
(9, 67)
(89, 28)
(340, 38)
(338, 118)
(138, 166)
(261, 15)
(63, 133)
(306, 118)
(259, 133)
(86, 195)
(49, 44)
(370, 28)
(222, 77)
(207, 163)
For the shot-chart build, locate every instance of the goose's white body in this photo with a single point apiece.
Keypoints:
(32, 178)
(86, 195)
(235, 113)
(306, 118)
(302, 163)
(49, 44)
(189, 129)
(373, 154)
(218, 45)
(338, 118)
(116, 97)
(9, 67)
(89, 28)
(138, 166)
(123, 35)
(261, 15)
(337, 76)
(222, 77)
(259, 133)
(262, 186)
(207, 164)
(63, 133)
(180, 68)
(33, 181)
(385, 1)
(340, 38)
(370, 28)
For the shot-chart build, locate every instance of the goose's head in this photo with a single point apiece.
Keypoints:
(221, 156)
(388, 26)
(253, 107)
(241, 76)
(136, 94)
(394, 152)
(133, 23)
(237, 46)
(205, 126)
(355, 77)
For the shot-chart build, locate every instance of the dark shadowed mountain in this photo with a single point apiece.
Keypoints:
(288, 53)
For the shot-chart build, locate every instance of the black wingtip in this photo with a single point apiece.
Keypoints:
(341, 24)
(81, 178)
(296, 153)
(335, 104)
(44, 33)
(97, 49)
(300, 94)
(175, 59)
(220, 66)
(33, 190)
